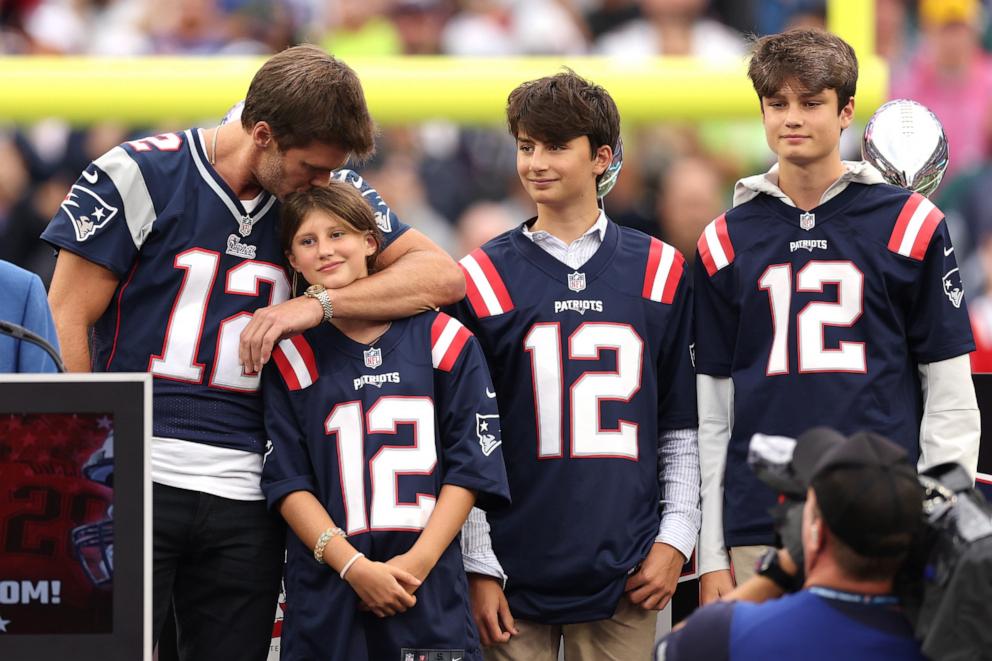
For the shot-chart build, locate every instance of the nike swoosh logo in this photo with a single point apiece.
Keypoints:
(490, 395)
(91, 178)
(948, 251)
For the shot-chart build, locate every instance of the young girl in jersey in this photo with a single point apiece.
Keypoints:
(382, 437)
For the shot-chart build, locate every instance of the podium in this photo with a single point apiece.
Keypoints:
(75, 517)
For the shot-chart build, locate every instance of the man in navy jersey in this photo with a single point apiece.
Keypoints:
(863, 508)
(824, 297)
(586, 328)
(168, 245)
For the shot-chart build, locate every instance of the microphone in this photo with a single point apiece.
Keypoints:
(23, 334)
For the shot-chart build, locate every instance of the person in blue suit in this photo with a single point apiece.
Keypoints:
(24, 303)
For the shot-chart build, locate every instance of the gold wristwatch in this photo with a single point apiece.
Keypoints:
(319, 294)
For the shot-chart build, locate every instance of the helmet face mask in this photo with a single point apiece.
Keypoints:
(93, 543)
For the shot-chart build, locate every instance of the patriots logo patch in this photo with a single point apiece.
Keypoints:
(87, 211)
(383, 221)
(953, 287)
(486, 428)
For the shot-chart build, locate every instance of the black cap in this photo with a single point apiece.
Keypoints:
(866, 489)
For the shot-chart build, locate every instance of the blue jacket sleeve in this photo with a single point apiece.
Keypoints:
(38, 319)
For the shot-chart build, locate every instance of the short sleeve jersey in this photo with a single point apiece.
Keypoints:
(590, 366)
(193, 265)
(822, 319)
(374, 433)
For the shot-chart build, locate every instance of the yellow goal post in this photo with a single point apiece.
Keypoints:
(403, 90)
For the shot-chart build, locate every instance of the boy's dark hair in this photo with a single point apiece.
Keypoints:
(308, 96)
(562, 107)
(337, 198)
(815, 59)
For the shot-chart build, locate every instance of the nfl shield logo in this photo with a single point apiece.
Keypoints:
(807, 221)
(373, 357)
(576, 281)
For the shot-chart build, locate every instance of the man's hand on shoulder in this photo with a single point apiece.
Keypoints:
(271, 324)
(490, 610)
(714, 586)
(652, 586)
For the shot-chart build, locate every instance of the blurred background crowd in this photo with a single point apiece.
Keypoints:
(458, 184)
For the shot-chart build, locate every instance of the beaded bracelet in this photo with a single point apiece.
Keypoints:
(325, 537)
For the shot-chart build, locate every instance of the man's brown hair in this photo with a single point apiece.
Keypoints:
(338, 198)
(814, 59)
(559, 108)
(307, 96)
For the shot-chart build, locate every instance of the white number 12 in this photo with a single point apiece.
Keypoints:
(811, 320)
(589, 439)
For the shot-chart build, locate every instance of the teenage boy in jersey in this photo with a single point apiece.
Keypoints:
(168, 245)
(824, 297)
(586, 328)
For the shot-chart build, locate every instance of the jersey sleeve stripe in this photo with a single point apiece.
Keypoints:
(486, 291)
(715, 247)
(130, 183)
(704, 254)
(914, 227)
(295, 360)
(927, 228)
(665, 266)
(724, 236)
(472, 293)
(654, 259)
(674, 275)
(902, 222)
(448, 338)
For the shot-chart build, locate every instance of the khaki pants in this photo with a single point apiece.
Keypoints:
(627, 636)
(743, 559)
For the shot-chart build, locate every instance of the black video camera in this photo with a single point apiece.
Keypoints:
(945, 584)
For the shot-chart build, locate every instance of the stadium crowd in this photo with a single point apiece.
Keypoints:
(457, 184)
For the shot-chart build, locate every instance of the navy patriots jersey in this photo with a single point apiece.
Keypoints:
(823, 326)
(193, 266)
(590, 365)
(374, 433)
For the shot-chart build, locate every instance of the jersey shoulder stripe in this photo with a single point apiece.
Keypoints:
(126, 175)
(484, 287)
(664, 269)
(448, 338)
(914, 227)
(715, 248)
(295, 360)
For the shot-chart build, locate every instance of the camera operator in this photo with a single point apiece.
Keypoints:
(863, 509)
